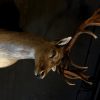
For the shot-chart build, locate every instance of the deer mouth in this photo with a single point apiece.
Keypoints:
(43, 73)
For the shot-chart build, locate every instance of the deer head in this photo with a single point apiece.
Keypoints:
(49, 57)
(59, 55)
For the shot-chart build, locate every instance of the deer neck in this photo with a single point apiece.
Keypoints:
(19, 46)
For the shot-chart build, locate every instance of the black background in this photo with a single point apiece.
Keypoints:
(18, 81)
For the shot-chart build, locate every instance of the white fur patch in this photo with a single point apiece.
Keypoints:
(5, 62)
(16, 51)
(54, 68)
(64, 41)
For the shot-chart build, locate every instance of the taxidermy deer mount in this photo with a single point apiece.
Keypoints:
(48, 55)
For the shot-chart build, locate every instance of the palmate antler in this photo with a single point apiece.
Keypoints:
(78, 72)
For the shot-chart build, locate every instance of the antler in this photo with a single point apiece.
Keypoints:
(92, 21)
(78, 73)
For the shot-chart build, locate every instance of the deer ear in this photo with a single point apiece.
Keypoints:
(64, 41)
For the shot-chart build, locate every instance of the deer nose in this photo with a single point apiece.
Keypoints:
(40, 75)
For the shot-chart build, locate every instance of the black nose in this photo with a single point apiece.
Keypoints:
(38, 76)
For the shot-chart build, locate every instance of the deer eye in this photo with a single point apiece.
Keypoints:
(52, 53)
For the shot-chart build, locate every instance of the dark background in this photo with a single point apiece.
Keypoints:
(52, 19)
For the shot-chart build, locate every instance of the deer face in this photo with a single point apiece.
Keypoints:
(48, 57)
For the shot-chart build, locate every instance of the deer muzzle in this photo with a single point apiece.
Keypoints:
(40, 75)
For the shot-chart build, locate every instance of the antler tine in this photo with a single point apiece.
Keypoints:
(97, 12)
(72, 75)
(92, 21)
